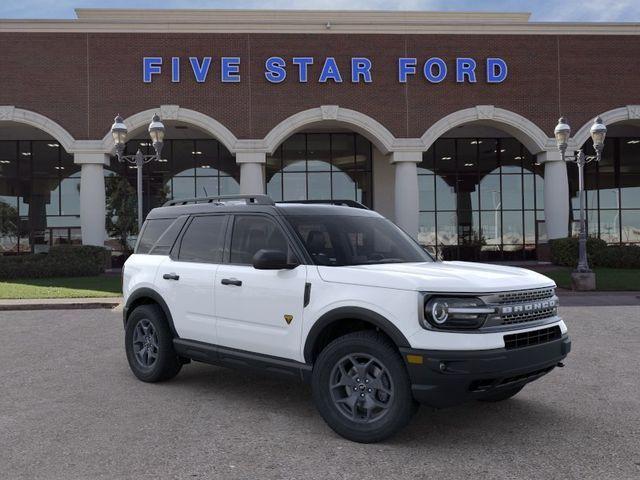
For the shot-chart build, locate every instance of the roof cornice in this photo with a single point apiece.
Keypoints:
(307, 21)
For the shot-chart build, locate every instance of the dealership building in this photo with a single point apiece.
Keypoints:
(443, 122)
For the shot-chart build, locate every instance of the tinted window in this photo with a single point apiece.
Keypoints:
(338, 240)
(252, 233)
(204, 240)
(168, 238)
(151, 233)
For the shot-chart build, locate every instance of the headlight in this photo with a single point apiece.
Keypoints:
(455, 312)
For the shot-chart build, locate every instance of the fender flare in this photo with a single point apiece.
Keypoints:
(355, 313)
(146, 292)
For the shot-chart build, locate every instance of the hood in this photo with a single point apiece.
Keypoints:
(450, 277)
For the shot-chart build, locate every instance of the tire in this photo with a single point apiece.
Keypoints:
(371, 395)
(149, 345)
(501, 395)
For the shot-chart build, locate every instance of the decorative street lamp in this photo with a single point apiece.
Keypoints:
(598, 132)
(156, 132)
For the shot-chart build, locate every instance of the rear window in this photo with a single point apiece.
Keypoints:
(159, 235)
(203, 241)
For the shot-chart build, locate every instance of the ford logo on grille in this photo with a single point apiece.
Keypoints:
(532, 307)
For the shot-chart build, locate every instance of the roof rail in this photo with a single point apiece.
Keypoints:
(221, 199)
(344, 203)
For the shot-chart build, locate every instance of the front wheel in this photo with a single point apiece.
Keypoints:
(149, 345)
(361, 387)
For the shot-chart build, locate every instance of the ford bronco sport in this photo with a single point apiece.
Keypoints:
(340, 297)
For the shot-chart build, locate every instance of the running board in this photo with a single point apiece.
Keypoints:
(233, 358)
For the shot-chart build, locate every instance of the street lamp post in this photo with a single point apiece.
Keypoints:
(119, 133)
(583, 277)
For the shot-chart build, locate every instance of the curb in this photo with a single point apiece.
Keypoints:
(43, 304)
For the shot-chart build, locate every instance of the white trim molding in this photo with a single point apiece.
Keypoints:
(180, 114)
(9, 113)
(527, 132)
(373, 130)
(621, 114)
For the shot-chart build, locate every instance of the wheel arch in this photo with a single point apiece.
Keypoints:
(332, 319)
(146, 296)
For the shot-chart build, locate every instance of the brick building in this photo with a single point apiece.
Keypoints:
(441, 121)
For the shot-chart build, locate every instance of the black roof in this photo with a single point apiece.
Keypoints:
(258, 203)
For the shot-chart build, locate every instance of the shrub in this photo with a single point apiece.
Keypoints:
(565, 252)
(61, 261)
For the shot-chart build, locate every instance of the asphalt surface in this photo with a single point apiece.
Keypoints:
(70, 409)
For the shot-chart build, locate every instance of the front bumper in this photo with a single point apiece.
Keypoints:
(446, 378)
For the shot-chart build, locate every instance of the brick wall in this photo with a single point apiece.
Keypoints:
(82, 80)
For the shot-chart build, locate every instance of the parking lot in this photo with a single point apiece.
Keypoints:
(70, 408)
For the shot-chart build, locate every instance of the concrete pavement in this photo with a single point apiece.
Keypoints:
(70, 409)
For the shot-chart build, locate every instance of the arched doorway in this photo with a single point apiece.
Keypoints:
(481, 196)
(193, 164)
(612, 187)
(320, 165)
(39, 189)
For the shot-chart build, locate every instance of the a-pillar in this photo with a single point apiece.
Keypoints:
(406, 190)
(556, 194)
(251, 172)
(92, 196)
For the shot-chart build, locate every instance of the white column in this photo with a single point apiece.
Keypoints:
(251, 172)
(406, 190)
(556, 194)
(92, 197)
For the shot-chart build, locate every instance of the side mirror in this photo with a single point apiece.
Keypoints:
(272, 260)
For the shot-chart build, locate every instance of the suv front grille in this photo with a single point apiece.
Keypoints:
(528, 317)
(525, 295)
(522, 306)
(534, 337)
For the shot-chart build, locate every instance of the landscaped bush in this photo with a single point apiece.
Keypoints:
(61, 261)
(565, 252)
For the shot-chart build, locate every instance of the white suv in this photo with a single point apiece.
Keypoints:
(338, 296)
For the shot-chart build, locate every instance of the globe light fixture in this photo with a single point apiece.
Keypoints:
(156, 132)
(582, 278)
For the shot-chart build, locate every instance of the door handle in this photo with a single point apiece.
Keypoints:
(231, 281)
(171, 276)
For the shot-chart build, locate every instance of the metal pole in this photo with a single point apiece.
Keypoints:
(139, 163)
(583, 263)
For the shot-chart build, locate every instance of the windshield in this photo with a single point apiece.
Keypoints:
(340, 240)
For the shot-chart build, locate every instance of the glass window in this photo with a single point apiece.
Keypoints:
(151, 233)
(164, 244)
(204, 239)
(252, 233)
(339, 240)
(319, 152)
(294, 153)
(321, 166)
(630, 226)
(427, 191)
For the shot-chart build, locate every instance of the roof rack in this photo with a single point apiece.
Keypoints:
(344, 203)
(221, 199)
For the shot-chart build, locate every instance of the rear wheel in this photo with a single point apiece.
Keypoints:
(361, 387)
(149, 345)
(501, 395)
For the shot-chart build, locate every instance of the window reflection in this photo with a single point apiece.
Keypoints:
(612, 188)
(479, 199)
(39, 196)
(319, 166)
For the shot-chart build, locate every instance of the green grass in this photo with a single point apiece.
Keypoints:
(71, 287)
(607, 279)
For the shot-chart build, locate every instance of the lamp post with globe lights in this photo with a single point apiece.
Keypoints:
(156, 132)
(583, 277)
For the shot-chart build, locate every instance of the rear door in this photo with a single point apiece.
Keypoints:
(187, 277)
(259, 310)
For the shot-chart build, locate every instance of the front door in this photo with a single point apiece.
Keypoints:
(259, 310)
(187, 280)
